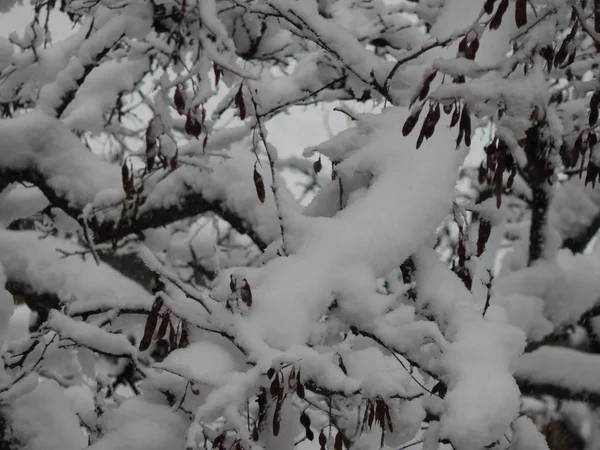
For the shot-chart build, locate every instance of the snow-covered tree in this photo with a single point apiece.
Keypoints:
(378, 290)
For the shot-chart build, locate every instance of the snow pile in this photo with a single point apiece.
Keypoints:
(44, 420)
(483, 398)
(568, 286)
(142, 424)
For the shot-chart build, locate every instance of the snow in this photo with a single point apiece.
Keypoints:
(44, 420)
(483, 398)
(142, 424)
(90, 336)
(526, 436)
(570, 277)
(82, 285)
(291, 293)
(46, 145)
(562, 367)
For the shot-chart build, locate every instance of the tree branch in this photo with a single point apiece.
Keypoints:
(106, 230)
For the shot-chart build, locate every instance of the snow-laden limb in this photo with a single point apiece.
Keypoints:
(29, 258)
(40, 149)
(342, 256)
(20, 203)
(133, 20)
(90, 336)
(483, 397)
(560, 372)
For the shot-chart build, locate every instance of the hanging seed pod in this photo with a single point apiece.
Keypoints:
(317, 165)
(465, 125)
(179, 101)
(239, 102)
(426, 85)
(521, 13)
(497, 19)
(411, 120)
(488, 6)
(259, 185)
(455, 117)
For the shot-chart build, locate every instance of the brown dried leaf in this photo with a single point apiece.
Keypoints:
(411, 121)
(317, 165)
(259, 185)
(277, 416)
(338, 442)
(246, 294)
(521, 13)
(322, 440)
(300, 390)
(183, 339)
(239, 102)
(164, 325)
(497, 19)
(485, 229)
(179, 101)
(275, 387)
(488, 6)
(149, 328)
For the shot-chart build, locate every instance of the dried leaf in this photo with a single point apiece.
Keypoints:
(455, 117)
(338, 442)
(217, 71)
(127, 180)
(174, 159)
(277, 416)
(179, 101)
(465, 124)
(485, 229)
(411, 121)
(192, 126)
(246, 294)
(300, 390)
(172, 336)
(440, 389)
(218, 442)
(275, 387)
(497, 19)
(426, 85)
(322, 440)
(488, 6)
(149, 328)
(304, 420)
(164, 325)
(317, 165)
(259, 185)
(239, 102)
(183, 339)
(521, 13)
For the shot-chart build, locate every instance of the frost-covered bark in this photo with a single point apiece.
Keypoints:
(415, 297)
